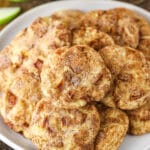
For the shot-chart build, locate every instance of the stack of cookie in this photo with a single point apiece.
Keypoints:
(78, 81)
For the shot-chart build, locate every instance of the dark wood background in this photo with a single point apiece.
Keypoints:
(32, 3)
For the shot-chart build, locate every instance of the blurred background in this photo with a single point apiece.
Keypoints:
(25, 5)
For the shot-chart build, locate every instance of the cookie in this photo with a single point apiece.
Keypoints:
(126, 27)
(140, 120)
(75, 76)
(52, 128)
(71, 16)
(123, 29)
(18, 100)
(131, 77)
(91, 37)
(143, 38)
(102, 20)
(114, 126)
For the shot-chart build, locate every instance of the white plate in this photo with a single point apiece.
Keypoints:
(17, 141)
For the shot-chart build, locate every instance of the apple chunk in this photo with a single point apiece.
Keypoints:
(8, 13)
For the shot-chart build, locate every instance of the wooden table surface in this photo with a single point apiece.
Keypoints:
(32, 3)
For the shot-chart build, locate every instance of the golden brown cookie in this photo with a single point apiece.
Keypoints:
(126, 27)
(13, 63)
(130, 71)
(140, 119)
(45, 34)
(92, 37)
(19, 89)
(113, 128)
(75, 76)
(102, 20)
(18, 100)
(127, 32)
(48, 33)
(143, 41)
(57, 34)
(71, 16)
(29, 48)
(60, 129)
(124, 30)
